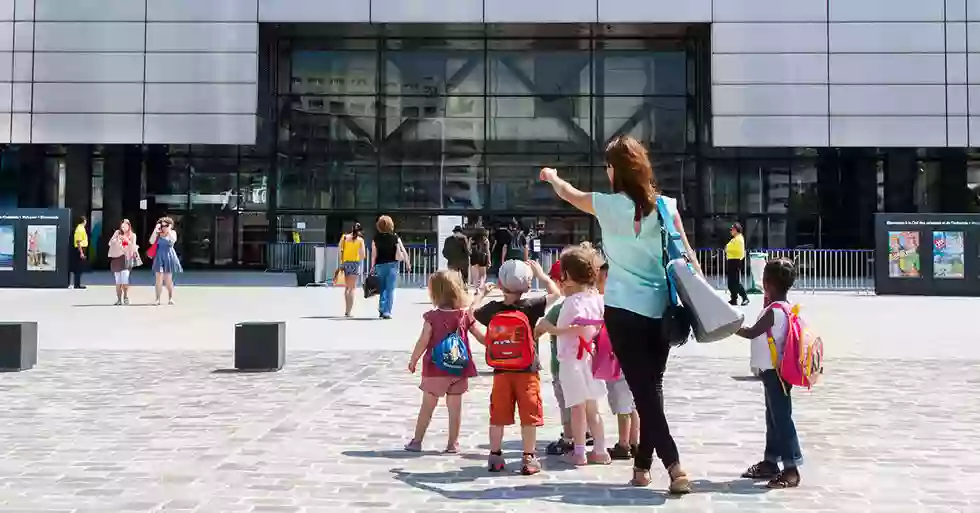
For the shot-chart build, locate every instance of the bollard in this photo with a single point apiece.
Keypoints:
(18, 346)
(260, 346)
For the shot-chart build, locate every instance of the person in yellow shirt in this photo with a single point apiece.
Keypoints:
(78, 255)
(735, 265)
(352, 253)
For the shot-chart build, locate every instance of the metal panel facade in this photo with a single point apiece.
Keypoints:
(841, 70)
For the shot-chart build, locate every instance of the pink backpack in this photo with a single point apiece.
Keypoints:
(605, 366)
(802, 363)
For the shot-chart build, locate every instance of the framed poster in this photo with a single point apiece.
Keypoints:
(948, 255)
(903, 255)
(7, 247)
(42, 247)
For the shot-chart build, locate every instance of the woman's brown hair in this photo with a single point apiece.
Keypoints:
(447, 290)
(632, 173)
(385, 224)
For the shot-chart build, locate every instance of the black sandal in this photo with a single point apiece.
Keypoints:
(763, 470)
(789, 478)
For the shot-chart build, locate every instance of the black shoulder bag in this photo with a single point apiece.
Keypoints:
(675, 326)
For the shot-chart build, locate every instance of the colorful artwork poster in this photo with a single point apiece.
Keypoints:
(948, 259)
(6, 247)
(903, 255)
(42, 247)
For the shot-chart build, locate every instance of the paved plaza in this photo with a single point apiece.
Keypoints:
(131, 409)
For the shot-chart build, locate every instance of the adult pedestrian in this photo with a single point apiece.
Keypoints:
(480, 257)
(456, 250)
(79, 253)
(165, 260)
(636, 292)
(387, 252)
(735, 265)
(514, 246)
(350, 256)
(122, 253)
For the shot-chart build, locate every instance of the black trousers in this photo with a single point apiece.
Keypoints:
(642, 354)
(733, 270)
(77, 267)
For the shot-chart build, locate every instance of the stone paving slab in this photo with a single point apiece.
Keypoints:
(155, 431)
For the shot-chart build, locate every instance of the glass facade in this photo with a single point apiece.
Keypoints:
(426, 120)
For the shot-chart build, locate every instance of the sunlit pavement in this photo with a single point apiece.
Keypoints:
(124, 412)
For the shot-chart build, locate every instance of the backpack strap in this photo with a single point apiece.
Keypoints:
(773, 352)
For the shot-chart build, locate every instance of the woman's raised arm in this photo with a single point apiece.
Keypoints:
(568, 192)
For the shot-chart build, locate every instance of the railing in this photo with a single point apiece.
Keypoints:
(817, 269)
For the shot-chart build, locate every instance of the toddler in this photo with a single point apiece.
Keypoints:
(782, 441)
(621, 402)
(515, 389)
(450, 299)
(581, 390)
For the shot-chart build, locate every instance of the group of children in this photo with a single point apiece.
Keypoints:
(571, 314)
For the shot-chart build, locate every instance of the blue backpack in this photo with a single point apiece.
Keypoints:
(451, 354)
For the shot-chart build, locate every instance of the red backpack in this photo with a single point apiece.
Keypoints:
(510, 342)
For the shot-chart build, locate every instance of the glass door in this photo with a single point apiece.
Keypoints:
(208, 241)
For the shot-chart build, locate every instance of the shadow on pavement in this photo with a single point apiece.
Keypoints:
(91, 305)
(393, 454)
(339, 318)
(745, 378)
(580, 494)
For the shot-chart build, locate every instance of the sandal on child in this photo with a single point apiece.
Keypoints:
(789, 478)
(680, 483)
(641, 478)
(530, 465)
(598, 458)
(452, 449)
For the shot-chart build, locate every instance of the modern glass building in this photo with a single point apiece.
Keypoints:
(253, 121)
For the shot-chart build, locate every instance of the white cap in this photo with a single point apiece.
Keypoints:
(515, 276)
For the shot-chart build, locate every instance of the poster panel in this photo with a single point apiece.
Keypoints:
(903, 255)
(948, 255)
(42, 247)
(6, 247)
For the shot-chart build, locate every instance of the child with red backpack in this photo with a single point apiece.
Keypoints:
(512, 352)
(769, 344)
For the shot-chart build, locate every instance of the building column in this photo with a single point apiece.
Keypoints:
(78, 180)
(31, 177)
(953, 193)
(901, 169)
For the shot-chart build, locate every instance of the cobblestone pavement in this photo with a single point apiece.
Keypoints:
(148, 429)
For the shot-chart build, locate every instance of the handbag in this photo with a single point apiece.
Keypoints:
(151, 252)
(675, 325)
(400, 254)
(372, 286)
(135, 261)
(115, 248)
(707, 313)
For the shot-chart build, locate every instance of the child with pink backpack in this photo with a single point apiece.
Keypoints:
(787, 355)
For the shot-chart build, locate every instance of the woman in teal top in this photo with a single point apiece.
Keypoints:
(636, 292)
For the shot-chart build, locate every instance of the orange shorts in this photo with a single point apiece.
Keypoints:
(520, 389)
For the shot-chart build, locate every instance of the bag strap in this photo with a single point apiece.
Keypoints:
(664, 234)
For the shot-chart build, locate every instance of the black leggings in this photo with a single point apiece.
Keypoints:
(642, 354)
(734, 268)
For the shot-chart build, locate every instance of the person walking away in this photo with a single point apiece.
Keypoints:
(165, 261)
(513, 319)
(782, 440)
(456, 250)
(516, 244)
(450, 314)
(735, 265)
(79, 258)
(350, 256)
(387, 252)
(480, 257)
(636, 292)
(122, 250)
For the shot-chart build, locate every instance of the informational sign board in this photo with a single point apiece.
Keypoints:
(444, 230)
(927, 254)
(34, 248)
